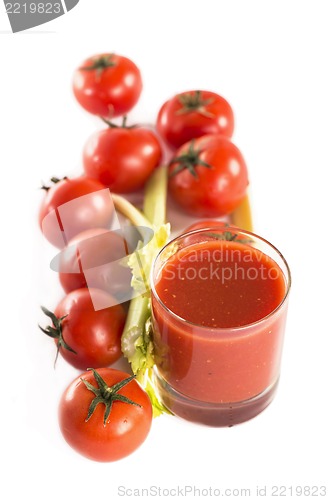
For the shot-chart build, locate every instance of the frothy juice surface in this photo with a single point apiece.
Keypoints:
(221, 344)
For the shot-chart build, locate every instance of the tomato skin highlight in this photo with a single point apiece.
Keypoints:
(214, 191)
(89, 212)
(95, 336)
(177, 127)
(122, 158)
(108, 92)
(126, 428)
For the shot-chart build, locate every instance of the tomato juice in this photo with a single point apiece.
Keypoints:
(219, 310)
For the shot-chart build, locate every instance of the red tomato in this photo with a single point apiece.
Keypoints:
(60, 221)
(204, 224)
(218, 230)
(107, 85)
(208, 176)
(86, 337)
(122, 158)
(100, 435)
(93, 258)
(192, 114)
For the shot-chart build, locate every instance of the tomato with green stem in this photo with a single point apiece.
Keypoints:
(204, 224)
(84, 336)
(208, 176)
(105, 415)
(217, 230)
(107, 85)
(191, 114)
(122, 157)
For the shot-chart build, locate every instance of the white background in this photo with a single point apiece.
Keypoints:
(269, 59)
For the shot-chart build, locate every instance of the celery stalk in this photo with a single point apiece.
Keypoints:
(137, 341)
(130, 211)
(242, 215)
(155, 197)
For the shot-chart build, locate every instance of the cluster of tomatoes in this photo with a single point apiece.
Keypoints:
(208, 175)
(105, 414)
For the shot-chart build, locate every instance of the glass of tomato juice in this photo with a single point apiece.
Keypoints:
(219, 306)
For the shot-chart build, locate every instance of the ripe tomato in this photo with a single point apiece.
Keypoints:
(86, 337)
(122, 158)
(93, 259)
(113, 429)
(192, 114)
(204, 224)
(107, 85)
(208, 176)
(217, 230)
(60, 221)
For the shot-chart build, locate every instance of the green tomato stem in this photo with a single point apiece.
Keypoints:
(106, 395)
